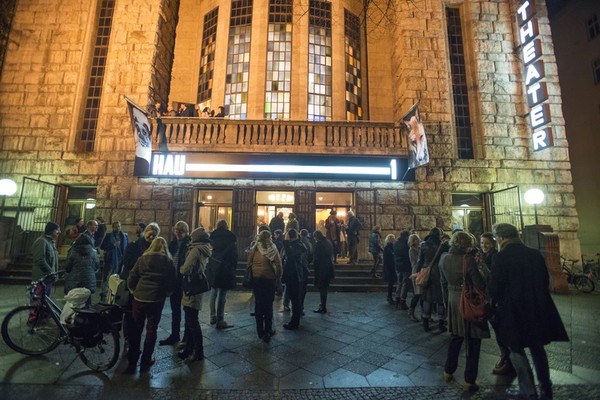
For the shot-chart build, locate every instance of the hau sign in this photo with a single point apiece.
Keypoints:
(536, 88)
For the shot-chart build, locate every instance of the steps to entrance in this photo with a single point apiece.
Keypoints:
(348, 278)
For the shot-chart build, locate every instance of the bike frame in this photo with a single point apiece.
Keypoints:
(54, 309)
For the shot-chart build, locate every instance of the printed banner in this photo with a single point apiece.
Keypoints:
(143, 141)
(418, 152)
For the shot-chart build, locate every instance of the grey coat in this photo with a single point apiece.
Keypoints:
(82, 264)
(45, 257)
(197, 257)
(451, 279)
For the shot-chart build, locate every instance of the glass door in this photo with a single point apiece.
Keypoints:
(212, 206)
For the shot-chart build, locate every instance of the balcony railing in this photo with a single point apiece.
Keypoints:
(265, 136)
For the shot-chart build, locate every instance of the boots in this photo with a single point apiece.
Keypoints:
(401, 305)
(442, 325)
(426, 327)
(504, 367)
(390, 300)
(411, 315)
(320, 310)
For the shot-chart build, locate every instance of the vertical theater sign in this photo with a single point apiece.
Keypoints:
(536, 88)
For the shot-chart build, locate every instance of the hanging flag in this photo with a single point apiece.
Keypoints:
(418, 152)
(143, 140)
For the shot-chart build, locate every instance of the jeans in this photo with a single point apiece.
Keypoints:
(524, 373)
(217, 304)
(404, 284)
(175, 301)
(377, 259)
(264, 295)
(194, 341)
(472, 353)
(149, 314)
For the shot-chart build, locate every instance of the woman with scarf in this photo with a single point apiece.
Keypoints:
(266, 270)
(198, 253)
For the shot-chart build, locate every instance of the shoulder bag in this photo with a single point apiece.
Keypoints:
(422, 277)
(474, 305)
(195, 282)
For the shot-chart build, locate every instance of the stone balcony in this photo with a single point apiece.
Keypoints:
(267, 136)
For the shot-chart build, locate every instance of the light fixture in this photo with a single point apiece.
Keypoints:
(534, 197)
(8, 187)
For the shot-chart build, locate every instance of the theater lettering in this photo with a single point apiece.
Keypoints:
(536, 88)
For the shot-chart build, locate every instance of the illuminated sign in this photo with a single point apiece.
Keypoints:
(276, 166)
(536, 88)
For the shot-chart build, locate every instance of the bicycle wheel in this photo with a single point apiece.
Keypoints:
(584, 284)
(35, 337)
(104, 355)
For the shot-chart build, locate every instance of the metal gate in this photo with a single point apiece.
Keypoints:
(505, 206)
(38, 204)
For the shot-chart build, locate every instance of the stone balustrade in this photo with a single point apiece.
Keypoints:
(265, 136)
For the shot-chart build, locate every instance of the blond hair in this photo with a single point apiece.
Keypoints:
(159, 245)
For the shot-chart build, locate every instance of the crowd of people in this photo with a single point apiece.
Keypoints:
(515, 278)
(158, 110)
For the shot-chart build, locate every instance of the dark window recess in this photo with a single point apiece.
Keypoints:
(462, 115)
(593, 27)
(87, 136)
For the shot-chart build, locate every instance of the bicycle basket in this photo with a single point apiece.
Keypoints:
(86, 328)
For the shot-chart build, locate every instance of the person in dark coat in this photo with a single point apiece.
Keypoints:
(323, 265)
(487, 249)
(114, 245)
(293, 275)
(432, 293)
(178, 248)
(389, 266)
(403, 269)
(376, 250)
(221, 271)
(82, 264)
(352, 230)
(451, 275)
(276, 223)
(525, 312)
(100, 232)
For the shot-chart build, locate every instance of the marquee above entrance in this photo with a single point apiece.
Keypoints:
(279, 166)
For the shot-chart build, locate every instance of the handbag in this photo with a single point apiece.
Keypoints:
(248, 281)
(422, 277)
(195, 282)
(474, 304)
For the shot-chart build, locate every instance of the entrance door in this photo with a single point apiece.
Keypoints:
(213, 205)
(505, 206)
(305, 201)
(244, 219)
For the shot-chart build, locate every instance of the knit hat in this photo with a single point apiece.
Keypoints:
(199, 234)
(50, 227)
(142, 225)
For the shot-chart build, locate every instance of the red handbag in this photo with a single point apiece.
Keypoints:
(474, 305)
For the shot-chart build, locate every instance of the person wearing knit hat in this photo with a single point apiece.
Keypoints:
(139, 229)
(45, 255)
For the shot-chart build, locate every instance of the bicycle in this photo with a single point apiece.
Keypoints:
(36, 329)
(582, 282)
(591, 267)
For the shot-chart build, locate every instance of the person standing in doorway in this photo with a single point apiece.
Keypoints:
(114, 245)
(276, 223)
(178, 248)
(352, 230)
(525, 312)
(333, 227)
(224, 263)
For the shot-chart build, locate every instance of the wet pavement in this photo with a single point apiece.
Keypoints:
(362, 349)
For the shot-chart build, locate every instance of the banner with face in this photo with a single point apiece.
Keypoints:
(418, 152)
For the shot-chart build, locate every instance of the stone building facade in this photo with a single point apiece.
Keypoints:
(154, 53)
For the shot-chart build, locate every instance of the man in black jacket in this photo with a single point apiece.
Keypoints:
(178, 249)
(403, 269)
(221, 271)
(524, 310)
(294, 275)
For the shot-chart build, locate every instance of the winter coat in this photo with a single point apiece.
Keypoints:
(179, 248)
(113, 255)
(266, 263)
(333, 227)
(375, 243)
(152, 278)
(413, 253)
(293, 270)
(196, 259)
(428, 249)
(354, 226)
(45, 257)
(132, 253)
(292, 224)
(82, 264)
(223, 262)
(401, 256)
(451, 275)
(323, 263)
(389, 265)
(276, 224)
(524, 310)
